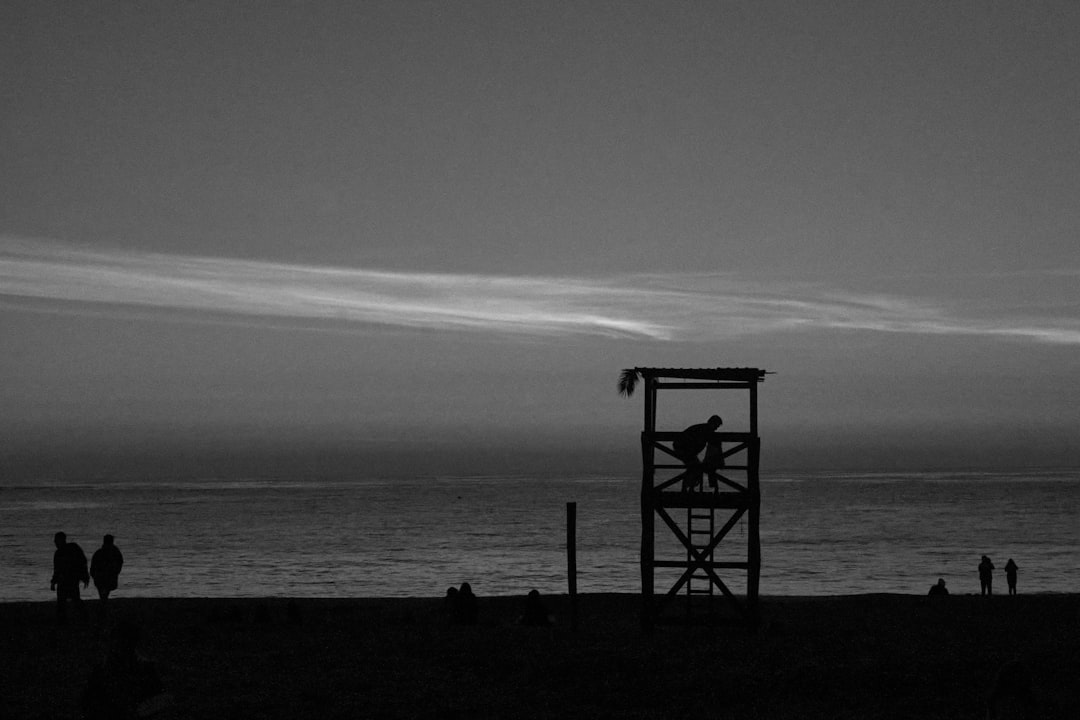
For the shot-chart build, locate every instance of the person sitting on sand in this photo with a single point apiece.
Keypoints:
(105, 566)
(689, 444)
(466, 605)
(1010, 575)
(450, 604)
(938, 589)
(986, 576)
(69, 569)
(536, 613)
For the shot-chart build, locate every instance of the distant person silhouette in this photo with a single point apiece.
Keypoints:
(450, 604)
(536, 613)
(105, 566)
(986, 576)
(467, 611)
(126, 684)
(938, 589)
(1010, 575)
(689, 444)
(69, 569)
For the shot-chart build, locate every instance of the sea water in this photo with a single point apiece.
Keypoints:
(821, 534)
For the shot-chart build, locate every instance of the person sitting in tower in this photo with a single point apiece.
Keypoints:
(689, 444)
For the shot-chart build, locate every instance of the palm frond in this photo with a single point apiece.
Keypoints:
(628, 380)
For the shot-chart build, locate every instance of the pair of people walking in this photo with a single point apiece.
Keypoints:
(70, 569)
(986, 576)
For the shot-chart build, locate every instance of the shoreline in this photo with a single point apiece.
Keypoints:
(867, 656)
(89, 596)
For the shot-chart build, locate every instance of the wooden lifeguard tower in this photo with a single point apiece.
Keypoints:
(728, 493)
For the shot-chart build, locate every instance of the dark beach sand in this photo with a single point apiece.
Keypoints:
(867, 656)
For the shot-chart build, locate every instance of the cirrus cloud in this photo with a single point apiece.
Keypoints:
(656, 307)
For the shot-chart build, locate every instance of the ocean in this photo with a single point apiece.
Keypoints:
(822, 534)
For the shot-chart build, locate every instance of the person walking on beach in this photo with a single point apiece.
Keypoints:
(986, 576)
(105, 566)
(689, 444)
(69, 569)
(1010, 575)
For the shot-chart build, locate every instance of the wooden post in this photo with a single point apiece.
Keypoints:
(650, 398)
(571, 560)
(753, 408)
(648, 516)
(753, 575)
(647, 534)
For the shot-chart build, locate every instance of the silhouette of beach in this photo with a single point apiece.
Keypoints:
(866, 656)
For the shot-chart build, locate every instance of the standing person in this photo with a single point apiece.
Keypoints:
(69, 569)
(1010, 575)
(689, 444)
(105, 566)
(714, 461)
(986, 576)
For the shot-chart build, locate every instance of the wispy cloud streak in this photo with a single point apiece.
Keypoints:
(656, 307)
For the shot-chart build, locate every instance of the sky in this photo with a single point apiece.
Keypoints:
(424, 237)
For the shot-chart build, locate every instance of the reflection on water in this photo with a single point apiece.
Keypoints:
(23, 506)
(820, 534)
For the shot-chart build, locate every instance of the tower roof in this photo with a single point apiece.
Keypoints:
(743, 374)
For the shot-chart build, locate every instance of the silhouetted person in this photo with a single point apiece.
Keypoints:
(466, 605)
(1010, 575)
(938, 589)
(105, 566)
(713, 461)
(536, 613)
(689, 444)
(450, 604)
(986, 576)
(69, 569)
(126, 685)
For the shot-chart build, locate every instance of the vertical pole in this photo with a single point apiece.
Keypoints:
(650, 404)
(571, 560)
(754, 540)
(753, 577)
(753, 408)
(647, 510)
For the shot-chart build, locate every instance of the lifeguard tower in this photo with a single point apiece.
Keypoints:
(699, 516)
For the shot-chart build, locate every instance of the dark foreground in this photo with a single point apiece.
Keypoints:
(872, 656)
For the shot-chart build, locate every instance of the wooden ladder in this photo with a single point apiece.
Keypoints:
(700, 529)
